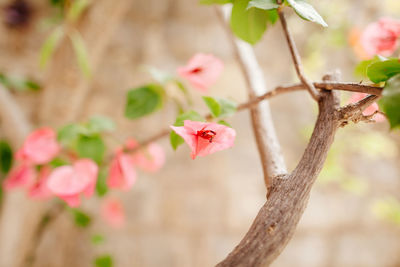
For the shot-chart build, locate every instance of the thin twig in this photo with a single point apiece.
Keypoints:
(351, 87)
(296, 58)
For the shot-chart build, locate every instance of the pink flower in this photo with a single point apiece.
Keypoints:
(369, 110)
(122, 173)
(205, 138)
(202, 71)
(381, 37)
(113, 212)
(68, 182)
(39, 147)
(20, 176)
(150, 159)
(39, 189)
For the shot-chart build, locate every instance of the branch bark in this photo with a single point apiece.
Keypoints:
(277, 220)
(268, 145)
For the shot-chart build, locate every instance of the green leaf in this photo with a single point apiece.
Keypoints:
(103, 261)
(143, 101)
(99, 124)
(68, 134)
(263, 4)
(97, 239)
(224, 123)
(32, 85)
(248, 25)
(81, 53)
(228, 107)
(361, 68)
(307, 11)
(272, 16)
(390, 101)
(174, 138)
(50, 45)
(6, 157)
(81, 218)
(101, 184)
(91, 147)
(219, 2)
(213, 105)
(57, 162)
(381, 71)
(76, 9)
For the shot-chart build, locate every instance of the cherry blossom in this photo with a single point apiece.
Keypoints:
(369, 110)
(113, 212)
(205, 138)
(381, 37)
(39, 147)
(69, 182)
(202, 71)
(122, 173)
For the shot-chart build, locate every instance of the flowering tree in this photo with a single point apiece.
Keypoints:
(69, 165)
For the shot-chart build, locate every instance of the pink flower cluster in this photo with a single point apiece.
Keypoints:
(69, 182)
(381, 37)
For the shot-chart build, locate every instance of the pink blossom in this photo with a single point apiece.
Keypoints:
(122, 174)
(369, 110)
(205, 138)
(202, 71)
(381, 37)
(69, 182)
(39, 147)
(39, 189)
(150, 159)
(22, 175)
(113, 212)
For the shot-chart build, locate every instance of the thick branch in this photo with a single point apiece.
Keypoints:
(278, 218)
(264, 131)
(295, 56)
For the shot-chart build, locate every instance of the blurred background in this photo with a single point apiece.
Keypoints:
(193, 212)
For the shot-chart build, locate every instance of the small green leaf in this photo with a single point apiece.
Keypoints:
(213, 105)
(68, 134)
(81, 53)
(91, 147)
(50, 45)
(307, 11)
(381, 71)
(57, 162)
(175, 139)
(219, 2)
(76, 9)
(361, 69)
(143, 101)
(263, 4)
(81, 218)
(224, 123)
(248, 25)
(390, 101)
(32, 85)
(272, 16)
(228, 107)
(99, 124)
(97, 239)
(103, 261)
(101, 184)
(6, 157)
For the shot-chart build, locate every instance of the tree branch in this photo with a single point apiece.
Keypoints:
(295, 56)
(277, 220)
(264, 131)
